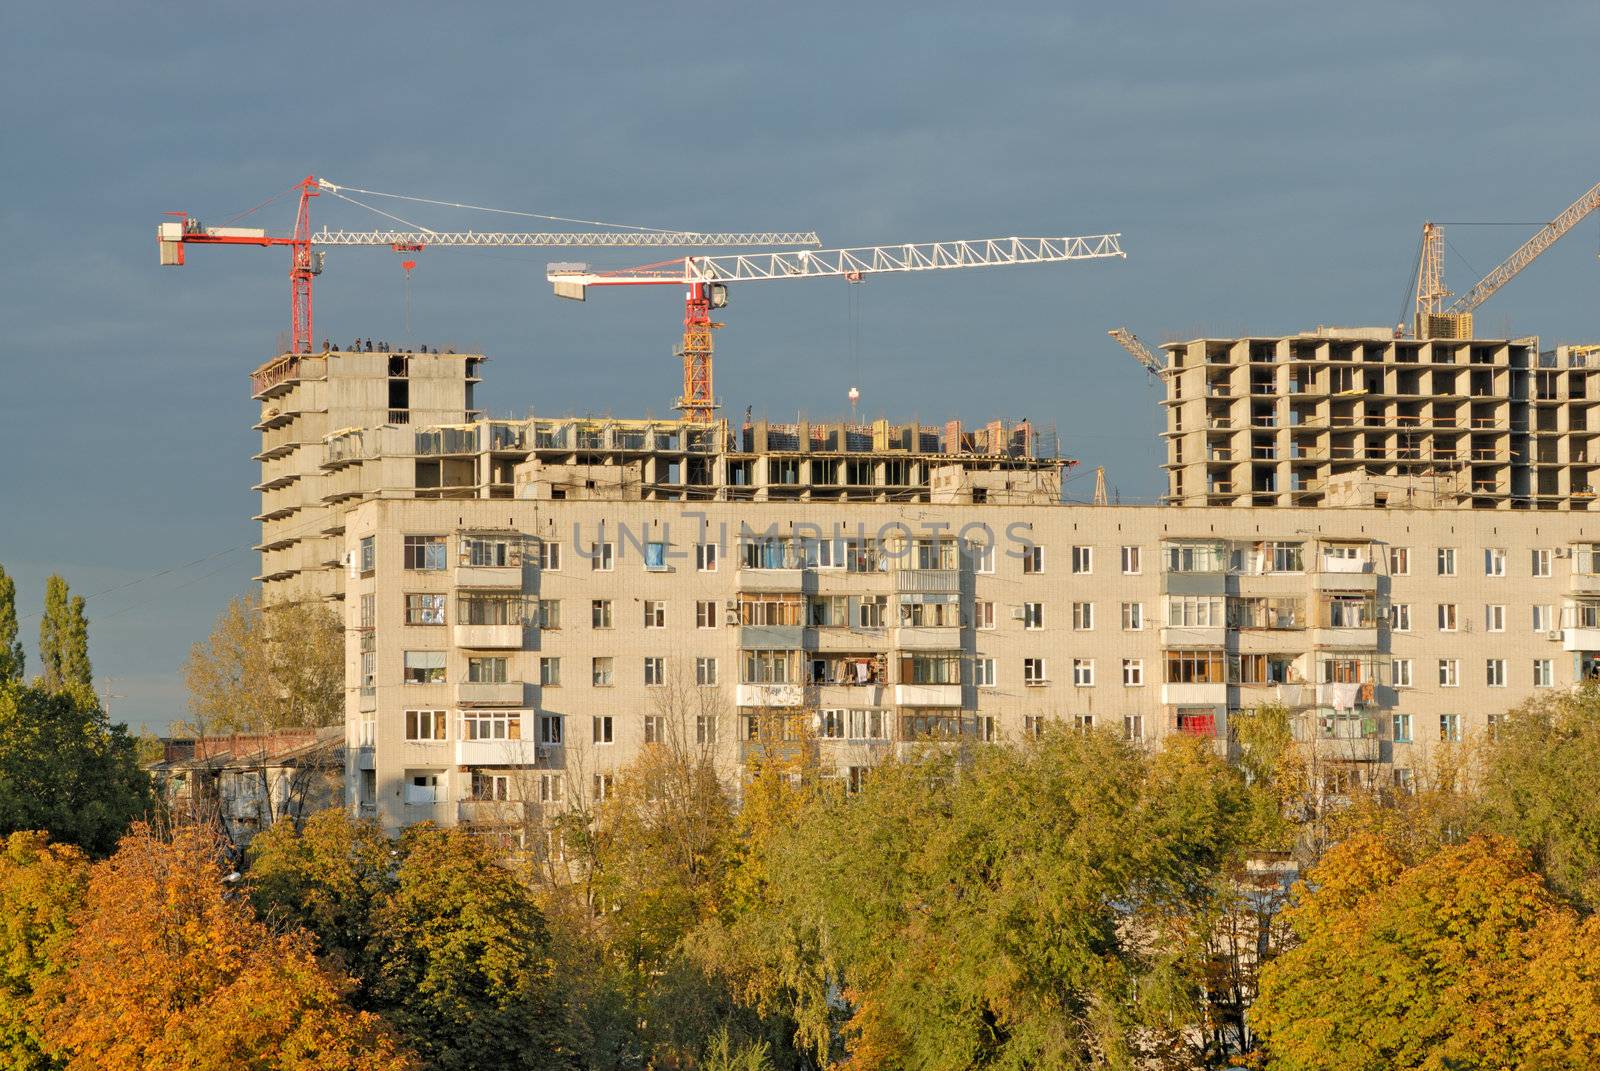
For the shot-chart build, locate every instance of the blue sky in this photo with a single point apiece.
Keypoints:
(1268, 164)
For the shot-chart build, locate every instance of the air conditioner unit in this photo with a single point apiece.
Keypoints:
(1553, 634)
(1018, 614)
(1563, 552)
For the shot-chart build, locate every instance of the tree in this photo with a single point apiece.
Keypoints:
(12, 661)
(170, 968)
(1464, 960)
(261, 668)
(41, 885)
(65, 769)
(462, 964)
(1540, 783)
(64, 638)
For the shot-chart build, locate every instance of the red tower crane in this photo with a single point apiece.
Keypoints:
(706, 279)
(305, 262)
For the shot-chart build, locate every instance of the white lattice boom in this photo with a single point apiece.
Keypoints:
(517, 239)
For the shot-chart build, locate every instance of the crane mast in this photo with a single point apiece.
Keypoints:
(173, 236)
(705, 279)
(1436, 320)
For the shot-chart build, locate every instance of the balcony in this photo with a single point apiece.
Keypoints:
(927, 695)
(507, 753)
(1585, 584)
(770, 580)
(483, 694)
(768, 695)
(1580, 639)
(788, 751)
(489, 637)
(492, 812)
(927, 638)
(1345, 639)
(771, 637)
(1195, 695)
(1193, 636)
(934, 581)
(504, 577)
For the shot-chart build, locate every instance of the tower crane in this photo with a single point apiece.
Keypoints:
(1137, 350)
(706, 280)
(306, 261)
(1433, 319)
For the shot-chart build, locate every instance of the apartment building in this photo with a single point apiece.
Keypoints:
(530, 603)
(1355, 416)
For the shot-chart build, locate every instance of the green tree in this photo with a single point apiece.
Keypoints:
(63, 638)
(1540, 783)
(41, 885)
(462, 967)
(1464, 960)
(12, 661)
(268, 668)
(66, 769)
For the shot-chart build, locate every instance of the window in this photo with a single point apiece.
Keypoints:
(488, 787)
(603, 786)
(1494, 561)
(425, 725)
(1495, 672)
(1132, 616)
(1196, 667)
(1541, 561)
(982, 557)
(369, 611)
(1133, 726)
(655, 670)
(705, 613)
(1033, 671)
(1083, 722)
(655, 729)
(369, 556)
(491, 725)
(1450, 728)
(1195, 557)
(600, 613)
(424, 667)
(933, 553)
(920, 668)
(1449, 672)
(490, 610)
(1032, 558)
(766, 667)
(494, 553)
(549, 613)
(870, 611)
(550, 728)
(1083, 672)
(1132, 561)
(655, 556)
(550, 672)
(1195, 611)
(1032, 725)
(1447, 561)
(1082, 560)
(1284, 558)
(1033, 615)
(705, 671)
(705, 729)
(424, 609)
(983, 614)
(1402, 673)
(604, 729)
(1401, 724)
(1400, 617)
(705, 557)
(425, 552)
(601, 671)
(1402, 780)
(1494, 618)
(550, 786)
(484, 670)
(1543, 673)
(601, 557)
(550, 556)
(1543, 618)
(1399, 561)
(983, 672)
(1447, 617)
(867, 724)
(1133, 672)
(655, 613)
(1083, 616)
(423, 788)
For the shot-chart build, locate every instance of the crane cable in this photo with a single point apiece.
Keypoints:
(334, 188)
